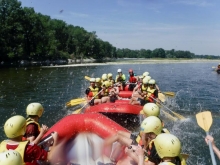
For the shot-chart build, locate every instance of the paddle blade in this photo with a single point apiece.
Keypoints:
(75, 102)
(204, 120)
(162, 97)
(169, 93)
(87, 77)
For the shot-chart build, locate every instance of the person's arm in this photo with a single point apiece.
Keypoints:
(43, 130)
(215, 149)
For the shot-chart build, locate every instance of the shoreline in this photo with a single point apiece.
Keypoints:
(140, 61)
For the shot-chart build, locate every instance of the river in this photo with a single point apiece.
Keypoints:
(197, 88)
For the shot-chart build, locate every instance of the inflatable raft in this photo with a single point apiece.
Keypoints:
(84, 135)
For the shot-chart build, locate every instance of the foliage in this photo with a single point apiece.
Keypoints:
(27, 35)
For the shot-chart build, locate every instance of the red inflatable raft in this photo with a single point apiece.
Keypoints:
(96, 123)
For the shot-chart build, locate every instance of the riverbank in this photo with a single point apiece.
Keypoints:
(140, 61)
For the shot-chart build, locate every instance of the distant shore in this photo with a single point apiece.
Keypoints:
(140, 61)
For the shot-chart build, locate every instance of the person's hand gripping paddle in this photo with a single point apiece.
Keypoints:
(204, 120)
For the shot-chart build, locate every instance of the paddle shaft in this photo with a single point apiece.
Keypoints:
(211, 151)
(90, 100)
(45, 140)
(167, 108)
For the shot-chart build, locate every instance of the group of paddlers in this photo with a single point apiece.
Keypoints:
(153, 145)
(106, 89)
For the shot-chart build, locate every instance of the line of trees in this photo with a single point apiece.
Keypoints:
(31, 36)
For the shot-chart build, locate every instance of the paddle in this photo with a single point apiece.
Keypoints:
(75, 102)
(80, 110)
(87, 77)
(174, 113)
(162, 97)
(169, 93)
(204, 120)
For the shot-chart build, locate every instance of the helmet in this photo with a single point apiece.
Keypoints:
(151, 109)
(151, 124)
(148, 77)
(141, 77)
(98, 80)
(36, 109)
(167, 145)
(106, 84)
(109, 75)
(92, 79)
(11, 157)
(145, 74)
(119, 70)
(145, 81)
(15, 126)
(152, 81)
(104, 77)
(130, 71)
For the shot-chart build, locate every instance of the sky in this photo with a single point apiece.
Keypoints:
(188, 25)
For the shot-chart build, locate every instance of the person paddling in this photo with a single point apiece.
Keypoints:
(120, 78)
(132, 80)
(92, 93)
(215, 149)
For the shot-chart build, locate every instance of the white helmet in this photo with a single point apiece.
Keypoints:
(10, 157)
(147, 77)
(152, 81)
(35, 109)
(145, 81)
(145, 74)
(151, 109)
(119, 71)
(104, 77)
(167, 145)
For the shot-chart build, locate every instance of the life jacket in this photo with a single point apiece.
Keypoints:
(21, 148)
(93, 92)
(106, 92)
(150, 93)
(31, 121)
(143, 88)
(132, 79)
(120, 79)
(151, 153)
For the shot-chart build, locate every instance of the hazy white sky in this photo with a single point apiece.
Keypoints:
(192, 25)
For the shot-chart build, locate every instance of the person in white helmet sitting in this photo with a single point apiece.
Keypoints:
(120, 79)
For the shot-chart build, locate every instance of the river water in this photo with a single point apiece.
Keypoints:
(197, 88)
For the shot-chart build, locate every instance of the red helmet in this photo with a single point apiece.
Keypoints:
(130, 71)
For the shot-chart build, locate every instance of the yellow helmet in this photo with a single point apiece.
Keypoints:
(152, 81)
(104, 77)
(167, 145)
(35, 109)
(97, 80)
(106, 84)
(151, 109)
(15, 126)
(92, 80)
(10, 157)
(110, 75)
(145, 74)
(151, 124)
(145, 81)
(147, 77)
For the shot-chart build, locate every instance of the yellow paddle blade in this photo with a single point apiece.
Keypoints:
(178, 115)
(75, 102)
(204, 120)
(77, 111)
(162, 97)
(169, 93)
(87, 77)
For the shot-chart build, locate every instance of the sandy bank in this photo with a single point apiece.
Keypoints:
(140, 61)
